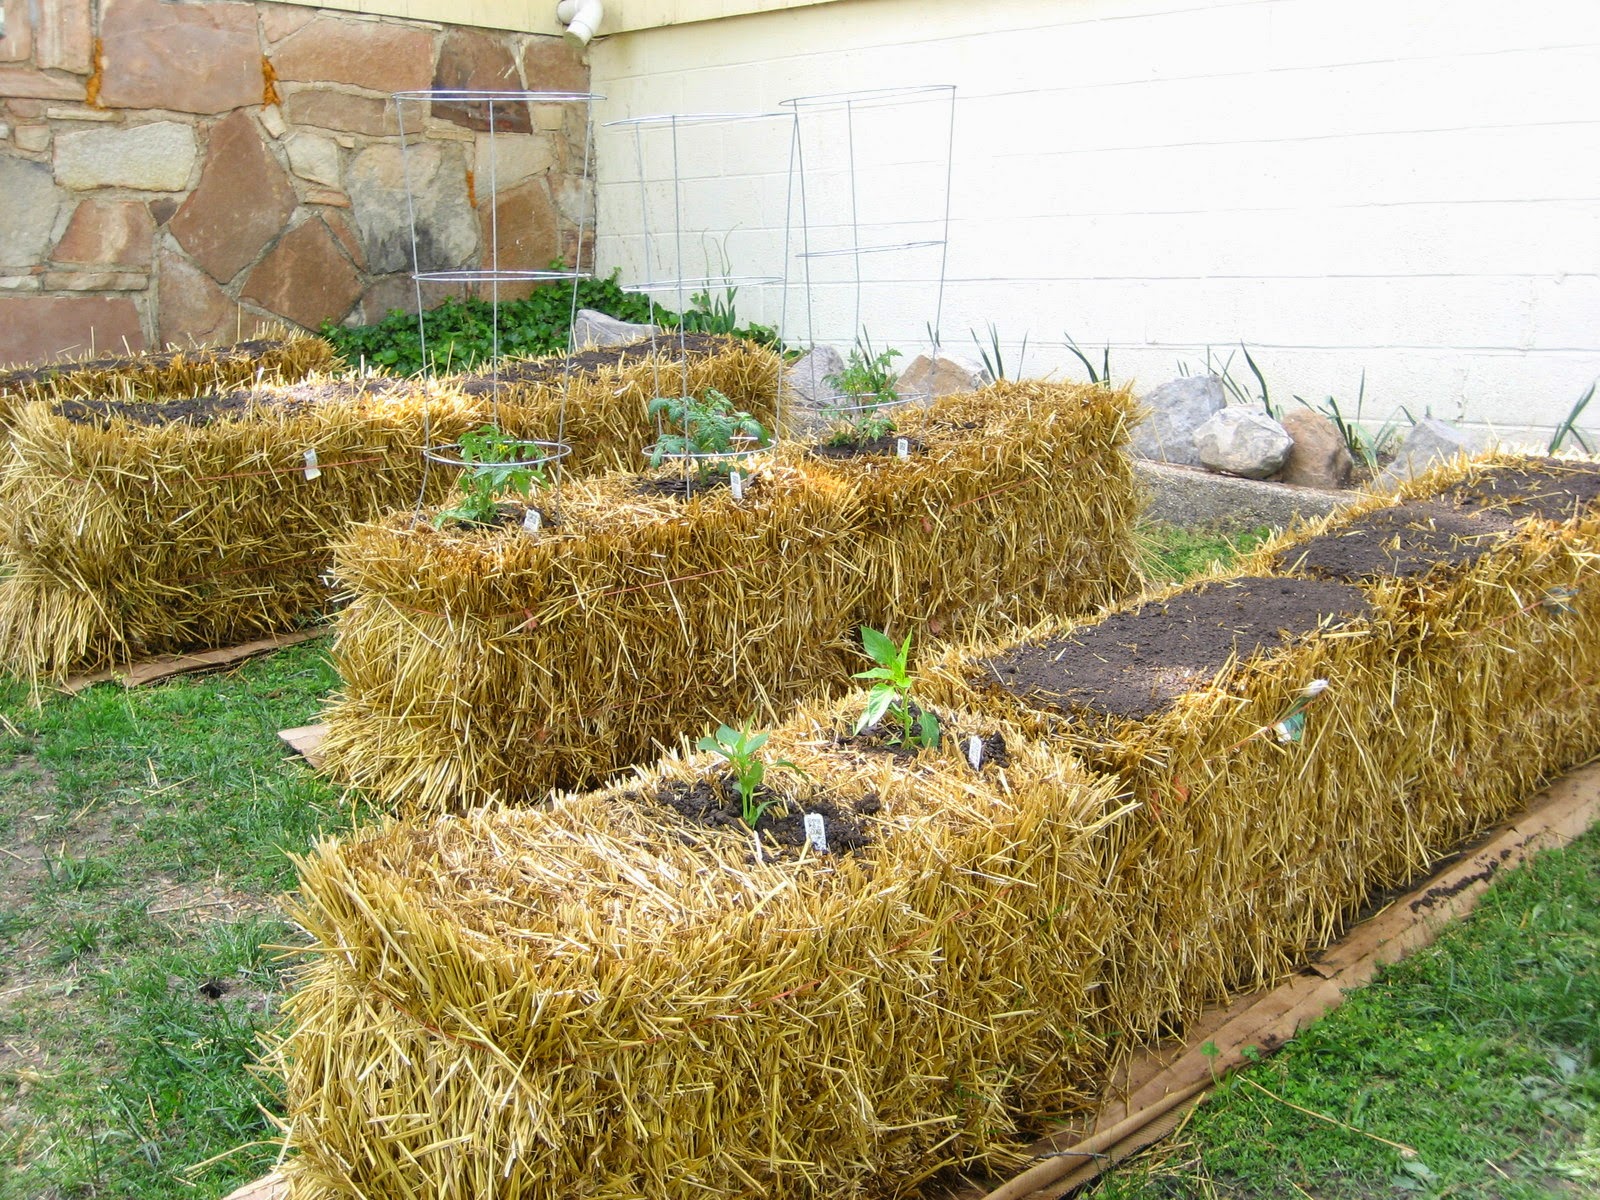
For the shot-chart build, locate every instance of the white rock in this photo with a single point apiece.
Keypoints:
(1177, 409)
(806, 390)
(32, 203)
(158, 157)
(1243, 441)
(314, 157)
(596, 329)
(1430, 442)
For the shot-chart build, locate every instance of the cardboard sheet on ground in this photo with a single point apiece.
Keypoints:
(167, 665)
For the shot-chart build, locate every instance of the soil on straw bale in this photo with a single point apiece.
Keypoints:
(1402, 542)
(1134, 664)
(715, 802)
(1549, 489)
(241, 403)
(885, 446)
(553, 368)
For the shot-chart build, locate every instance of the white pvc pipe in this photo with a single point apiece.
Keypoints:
(582, 18)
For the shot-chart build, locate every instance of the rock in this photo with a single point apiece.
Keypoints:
(278, 21)
(1242, 441)
(272, 121)
(314, 157)
(31, 84)
(515, 160)
(322, 109)
(40, 328)
(550, 65)
(338, 223)
(475, 60)
(33, 138)
(305, 277)
(94, 281)
(199, 58)
(447, 225)
(64, 35)
(1177, 409)
(947, 375)
(158, 157)
(1429, 443)
(524, 225)
(1194, 498)
(596, 329)
(806, 391)
(1319, 457)
(243, 200)
(107, 233)
(190, 308)
(374, 55)
(32, 204)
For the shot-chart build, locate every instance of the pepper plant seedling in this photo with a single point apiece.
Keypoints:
(740, 748)
(495, 466)
(892, 696)
(708, 428)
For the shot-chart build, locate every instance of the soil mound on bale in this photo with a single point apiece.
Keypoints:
(1550, 489)
(554, 368)
(1133, 664)
(245, 402)
(1403, 542)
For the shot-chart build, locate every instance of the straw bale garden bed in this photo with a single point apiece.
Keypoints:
(819, 956)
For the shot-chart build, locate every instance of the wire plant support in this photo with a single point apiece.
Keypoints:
(663, 233)
(487, 107)
(860, 163)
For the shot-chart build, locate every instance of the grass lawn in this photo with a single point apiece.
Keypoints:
(143, 840)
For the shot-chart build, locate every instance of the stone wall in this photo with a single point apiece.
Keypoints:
(177, 170)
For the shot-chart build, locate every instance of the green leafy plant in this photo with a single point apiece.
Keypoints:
(461, 333)
(706, 427)
(1569, 426)
(868, 379)
(891, 696)
(993, 358)
(496, 466)
(741, 749)
(1103, 375)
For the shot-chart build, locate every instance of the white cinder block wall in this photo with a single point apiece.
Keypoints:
(1405, 188)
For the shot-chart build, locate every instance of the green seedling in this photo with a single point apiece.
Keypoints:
(1570, 425)
(993, 357)
(868, 379)
(708, 428)
(891, 696)
(740, 748)
(496, 465)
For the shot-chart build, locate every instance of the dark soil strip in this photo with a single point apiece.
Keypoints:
(24, 378)
(1405, 541)
(1134, 664)
(204, 410)
(717, 807)
(1550, 489)
(885, 446)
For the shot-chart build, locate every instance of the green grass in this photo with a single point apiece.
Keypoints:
(1171, 554)
(145, 834)
(1482, 1053)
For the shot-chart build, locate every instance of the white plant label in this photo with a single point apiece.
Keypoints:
(902, 449)
(817, 832)
(531, 521)
(312, 470)
(975, 751)
(736, 485)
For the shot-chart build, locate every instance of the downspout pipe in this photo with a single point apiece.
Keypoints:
(581, 18)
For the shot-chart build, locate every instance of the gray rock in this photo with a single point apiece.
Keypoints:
(927, 378)
(1177, 409)
(447, 224)
(33, 202)
(1319, 458)
(157, 157)
(806, 391)
(1429, 443)
(1197, 499)
(1243, 441)
(596, 329)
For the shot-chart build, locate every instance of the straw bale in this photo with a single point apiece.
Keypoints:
(602, 998)
(1019, 505)
(168, 373)
(498, 664)
(495, 666)
(186, 522)
(1246, 850)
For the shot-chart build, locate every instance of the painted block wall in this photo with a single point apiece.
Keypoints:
(1404, 188)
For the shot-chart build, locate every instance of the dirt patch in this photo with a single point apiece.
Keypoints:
(886, 446)
(221, 406)
(715, 804)
(27, 378)
(553, 370)
(1402, 542)
(685, 487)
(1132, 665)
(1550, 489)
